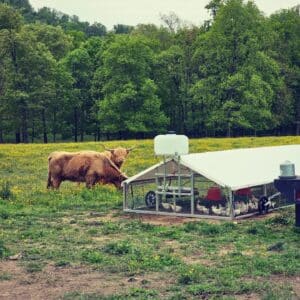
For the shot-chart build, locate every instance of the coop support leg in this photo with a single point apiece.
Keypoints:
(156, 194)
(125, 196)
(192, 194)
(265, 190)
(297, 213)
(231, 200)
(179, 177)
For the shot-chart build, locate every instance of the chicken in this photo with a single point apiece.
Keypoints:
(253, 203)
(216, 210)
(237, 212)
(270, 204)
(221, 211)
(253, 206)
(176, 208)
(244, 208)
(225, 211)
(202, 209)
(166, 205)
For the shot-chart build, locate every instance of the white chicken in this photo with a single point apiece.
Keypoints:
(202, 209)
(221, 211)
(237, 212)
(176, 208)
(253, 203)
(253, 206)
(244, 208)
(216, 210)
(166, 205)
(225, 211)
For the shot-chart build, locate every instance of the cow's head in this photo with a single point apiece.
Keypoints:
(118, 181)
(118, 155)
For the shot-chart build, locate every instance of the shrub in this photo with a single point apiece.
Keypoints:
(257, 229)
(190, 274)
(5, 191)
(276, 247)
(3, 250)
(92, 256)
(119, 248)
(33, 267)
(203, 228)
(279, 220)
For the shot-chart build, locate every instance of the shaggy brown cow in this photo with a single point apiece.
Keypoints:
(117, 155)
(84, 166)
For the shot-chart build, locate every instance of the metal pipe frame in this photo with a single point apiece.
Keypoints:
(198, 216)
(161, 213)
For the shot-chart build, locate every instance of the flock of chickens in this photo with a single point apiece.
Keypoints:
(240, 207)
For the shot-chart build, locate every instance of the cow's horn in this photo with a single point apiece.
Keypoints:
(107, 149)
(131, 148)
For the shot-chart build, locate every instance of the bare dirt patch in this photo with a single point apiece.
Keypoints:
(54, 282)
(294, 282)
(175, 220)
(94, 217)
(197, 259)
(164, 220)
(226, 250)
(252, 296)
(278, 281)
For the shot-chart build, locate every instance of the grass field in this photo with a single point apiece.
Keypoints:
(78, 244)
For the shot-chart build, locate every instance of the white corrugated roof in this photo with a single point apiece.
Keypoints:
(238, 168)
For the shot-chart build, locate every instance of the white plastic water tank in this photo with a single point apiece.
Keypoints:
(171, 144)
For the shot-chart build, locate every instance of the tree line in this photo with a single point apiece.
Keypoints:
(63, 79)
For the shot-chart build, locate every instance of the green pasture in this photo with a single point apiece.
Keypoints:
(76, 226)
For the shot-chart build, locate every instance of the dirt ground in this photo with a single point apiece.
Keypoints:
(54, 282)
(170, 220)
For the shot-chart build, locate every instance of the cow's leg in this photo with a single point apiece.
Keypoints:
(56, 183)
(90, 180)
(49, 182)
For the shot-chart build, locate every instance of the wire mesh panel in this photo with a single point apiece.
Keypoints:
(136, 195)
(194, 196)
(212, 199)
(257, 199)
(172, 189)
(278, 200)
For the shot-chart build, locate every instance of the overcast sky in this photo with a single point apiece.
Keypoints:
(133, 12)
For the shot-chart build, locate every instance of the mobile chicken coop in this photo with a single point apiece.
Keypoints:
(226, 184)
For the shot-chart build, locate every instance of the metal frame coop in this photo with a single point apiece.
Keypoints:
(220, 185)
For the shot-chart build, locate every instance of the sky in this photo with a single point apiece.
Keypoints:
(133, 12)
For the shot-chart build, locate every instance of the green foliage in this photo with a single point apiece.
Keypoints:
(119, 248)
(34, 267)
(237, 74)
(55, 39)
(5, 191)
(10, 19)
(234, 64)
(3, 250)
(5, 276)
(130, 97)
